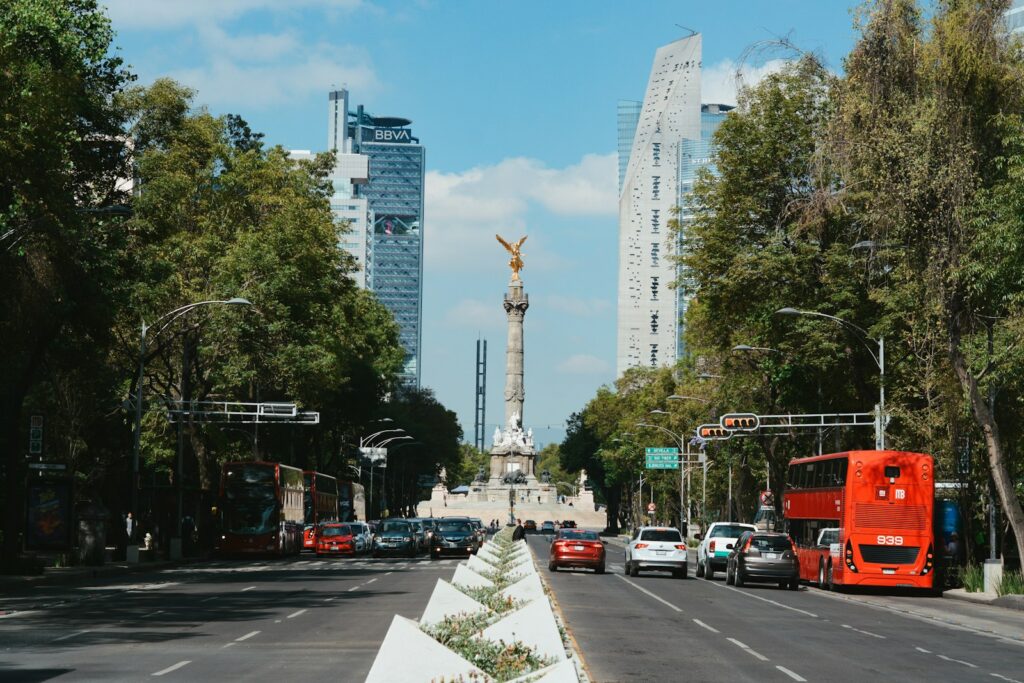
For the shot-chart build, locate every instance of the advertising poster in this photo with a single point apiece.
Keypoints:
(49, 516)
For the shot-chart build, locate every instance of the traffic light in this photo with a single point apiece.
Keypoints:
(711, 432)
(741, 422)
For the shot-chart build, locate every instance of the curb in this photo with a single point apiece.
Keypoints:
(560, 617)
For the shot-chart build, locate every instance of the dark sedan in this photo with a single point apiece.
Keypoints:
(762, 556)
(454, 537)
(395, 536)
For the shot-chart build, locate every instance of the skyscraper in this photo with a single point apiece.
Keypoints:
(1015, 16)
(648, 308)
(393, 196)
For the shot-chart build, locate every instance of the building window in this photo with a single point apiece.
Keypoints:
(654, 288)
(654, 322)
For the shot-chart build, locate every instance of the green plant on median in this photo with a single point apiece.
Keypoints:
(1011, 584)
(504, 661)
(973, 578)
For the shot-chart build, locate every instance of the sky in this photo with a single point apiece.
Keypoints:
(515, 103)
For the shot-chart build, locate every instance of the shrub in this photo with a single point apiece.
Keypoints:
(973, 577)
(1011, 584)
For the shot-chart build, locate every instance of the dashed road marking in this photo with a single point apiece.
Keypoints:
(773, 602)
(647, 592)
(353, 588)
(921, 649)
(703, 625)
(371, 580)
(72, 635)
(295, 614)
(247, 636)
(1002, 677)
(247, 589)
(172, 667)
(224, 647)
(794, 676)
(212, 597)
(958, 661)
(745, 647)
(867, 633)
(388, 573)
(152, 614)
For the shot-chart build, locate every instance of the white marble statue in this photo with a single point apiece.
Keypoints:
(496, 440)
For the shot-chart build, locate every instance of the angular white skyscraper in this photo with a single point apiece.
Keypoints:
(648, 309)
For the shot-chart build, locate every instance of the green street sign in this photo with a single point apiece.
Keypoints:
(662, 465)
(661, 451)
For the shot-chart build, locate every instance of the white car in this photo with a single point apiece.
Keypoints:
(716, 544)
(363, 535)
(656, 547)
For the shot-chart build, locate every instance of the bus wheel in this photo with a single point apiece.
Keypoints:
(831, 578)
(821, 577)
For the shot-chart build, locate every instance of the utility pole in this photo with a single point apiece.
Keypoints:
(480, 411)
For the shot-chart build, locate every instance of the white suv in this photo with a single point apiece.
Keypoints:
(716, 544)
(656, 547)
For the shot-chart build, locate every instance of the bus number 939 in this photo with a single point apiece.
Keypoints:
(890, 540)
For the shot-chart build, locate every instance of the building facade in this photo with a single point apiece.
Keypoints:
(1015, 16)
(648, 307)
(391, 199)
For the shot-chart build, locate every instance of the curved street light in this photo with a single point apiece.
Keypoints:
(169, 317)
(878, 357)
(677, 397)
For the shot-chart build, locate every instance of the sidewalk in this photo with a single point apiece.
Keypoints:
(983, 598)
(56, 576)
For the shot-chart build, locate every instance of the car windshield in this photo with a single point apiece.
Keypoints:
(727, 531)
(394, 527)
(668, 535)
(454, 527)
(575, 535)
(336, 531)
(771, 543)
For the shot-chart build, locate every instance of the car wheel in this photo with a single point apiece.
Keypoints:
(794, 585)
(728, 575)
(686, 570)
(634, 569)
(709, 571)
(599, 569)
(700, 569)
(783, 584)
(552, 567)
(737, 577)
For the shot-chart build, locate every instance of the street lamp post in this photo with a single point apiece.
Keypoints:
(878, 357)
(367, 442)
(145, 336)
(684, 480)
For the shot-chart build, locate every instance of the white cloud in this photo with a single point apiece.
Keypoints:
(584, 364)
(170, 14)
(720, 82)
(465, 210)
(584, 308)
(473, 313)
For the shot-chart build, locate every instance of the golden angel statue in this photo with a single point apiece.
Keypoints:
(516, 262)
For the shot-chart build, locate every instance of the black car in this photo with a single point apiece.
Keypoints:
(763, 556)
(454, 537)
(395, 536)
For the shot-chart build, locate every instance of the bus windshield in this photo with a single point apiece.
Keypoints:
(251, 500)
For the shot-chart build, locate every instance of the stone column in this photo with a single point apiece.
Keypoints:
(516, 303)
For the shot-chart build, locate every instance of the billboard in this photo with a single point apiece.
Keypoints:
(388, 135)
(48, 516)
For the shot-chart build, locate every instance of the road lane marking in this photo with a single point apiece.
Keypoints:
(212, 597)
(328, 599)
(173, 667)
(794, 676)
(647, 592)
(1010, 680)
(371, 581)
(247, 636)
(758, 597)
(703, 625)
(72, 635)
(224, 647)
(746, 647)
(921, 649)
(353, 588)
(292, 616)
(867, 633)
(247, 589)
(152, 614)
(388, 573)
(958, 661)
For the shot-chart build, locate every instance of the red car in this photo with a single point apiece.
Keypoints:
(577, 548)
(335, 539)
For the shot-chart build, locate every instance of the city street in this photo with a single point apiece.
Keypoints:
(656, 628)
(298, 619)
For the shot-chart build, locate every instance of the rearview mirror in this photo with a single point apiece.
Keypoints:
(728, 546)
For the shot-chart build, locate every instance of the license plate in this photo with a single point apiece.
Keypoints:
(771, 556)
(660, 552)
(334, 547)
(888, 571)
(577, 547)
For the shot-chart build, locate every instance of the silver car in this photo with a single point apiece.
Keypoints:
(657, 548)
(364, 537)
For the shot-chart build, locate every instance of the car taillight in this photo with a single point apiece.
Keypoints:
(711, 547)
(640, 546)
(849, 557)
(746, 547)
(680, 546)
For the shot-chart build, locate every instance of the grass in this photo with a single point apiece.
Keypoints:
(973, 577)
(1012, 584)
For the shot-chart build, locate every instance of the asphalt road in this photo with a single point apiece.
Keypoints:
(656, 628)
(277, 620)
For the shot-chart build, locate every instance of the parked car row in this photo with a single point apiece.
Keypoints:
(401, 536)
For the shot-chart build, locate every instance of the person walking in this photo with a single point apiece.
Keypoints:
(130, 528)
(519, 533)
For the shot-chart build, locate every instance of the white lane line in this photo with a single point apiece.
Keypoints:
(1010, 680)
(224, 647)
(371, 581)
(328, 599)
(353, 588)
(292, 616)
(212, 597)
(152, 614)
(173, 667)
(794, 676)
(958, 661)
(921, 649)
(247, 589)
(703, 625)
(758, 597)
(72, 635)
(388, 573)
(867, 633)
(247, 636)
(647, 592)
(746, 648)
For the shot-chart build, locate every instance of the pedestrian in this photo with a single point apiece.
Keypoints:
(953, 547)
(519, 533)
(130, 528)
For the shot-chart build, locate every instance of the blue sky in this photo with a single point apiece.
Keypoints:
(515, 102)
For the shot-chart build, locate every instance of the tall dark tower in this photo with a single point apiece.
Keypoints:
(481, 393)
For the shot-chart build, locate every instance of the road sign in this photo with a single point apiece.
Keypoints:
(767, 498)
(57, 466)
(661, 451)
(651, 507)
(662, 461)
(740, 422)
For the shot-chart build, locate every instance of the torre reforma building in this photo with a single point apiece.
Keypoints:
(392, 194)
(649, 310)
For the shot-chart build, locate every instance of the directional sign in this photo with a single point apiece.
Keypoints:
(662, 451)
(741, 422)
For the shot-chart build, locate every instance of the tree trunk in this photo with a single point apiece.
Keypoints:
(993, 442)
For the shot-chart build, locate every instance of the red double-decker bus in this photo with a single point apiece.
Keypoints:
(863, 518)
(260, 509)
(319, 503)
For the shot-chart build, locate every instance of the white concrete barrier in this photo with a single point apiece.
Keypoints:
(447, 601)
(411, 656)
